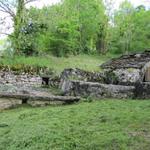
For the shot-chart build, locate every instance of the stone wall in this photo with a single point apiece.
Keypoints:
(23, 79)
(118, 77)
(77, 82)
(82, 75)
(93, 89)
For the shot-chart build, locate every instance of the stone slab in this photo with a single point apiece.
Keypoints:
(93, 89)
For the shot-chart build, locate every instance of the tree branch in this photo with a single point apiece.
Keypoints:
(8, 34)
(29, 1)
(6, 8)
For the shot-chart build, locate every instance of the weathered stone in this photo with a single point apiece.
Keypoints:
(6, 103)
(19, 79)
(142, 90)
(82, 75)
(128, 76)
(134, 60)
(129, 69)
(66, 86)
(44, 103)
(86, 89)
(36, 98)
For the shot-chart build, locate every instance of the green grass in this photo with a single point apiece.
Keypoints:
(86, 62)
(99, 125)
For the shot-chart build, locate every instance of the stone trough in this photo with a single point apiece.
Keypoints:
(8, 99)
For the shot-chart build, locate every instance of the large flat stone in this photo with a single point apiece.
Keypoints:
(86, 89)
(42, 97)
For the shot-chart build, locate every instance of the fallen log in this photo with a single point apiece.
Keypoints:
(36, 97)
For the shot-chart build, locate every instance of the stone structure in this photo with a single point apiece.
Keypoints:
(14, 85)
(142, 90)
(24, 79)
(98, 90)
(81, 75)
(130, 69)
(6, 103)
(124, 77)
(18, 79)
(12, 96)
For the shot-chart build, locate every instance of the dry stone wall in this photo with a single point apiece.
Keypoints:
(23, 79)
(83, 75)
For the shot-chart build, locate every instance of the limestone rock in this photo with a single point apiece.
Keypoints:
(9, 77)
(128, 76)
(86, 89)
(142, 90)
(6, 103)
(78, 74)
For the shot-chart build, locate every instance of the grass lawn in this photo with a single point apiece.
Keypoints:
(86, 62)
(97, 125)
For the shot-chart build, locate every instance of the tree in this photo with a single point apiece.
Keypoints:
(123, 27)
(141, 36)
(74, 26)
(16, 10)
(91, 20)
(130, 29)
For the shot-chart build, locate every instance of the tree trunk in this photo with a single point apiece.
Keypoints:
(18, 22)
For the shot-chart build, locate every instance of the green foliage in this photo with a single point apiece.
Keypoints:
(99, 125)
(63, 41)
(72, 27)
(90, 16)
(141, 37)
(131, 29)
(27, 42)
